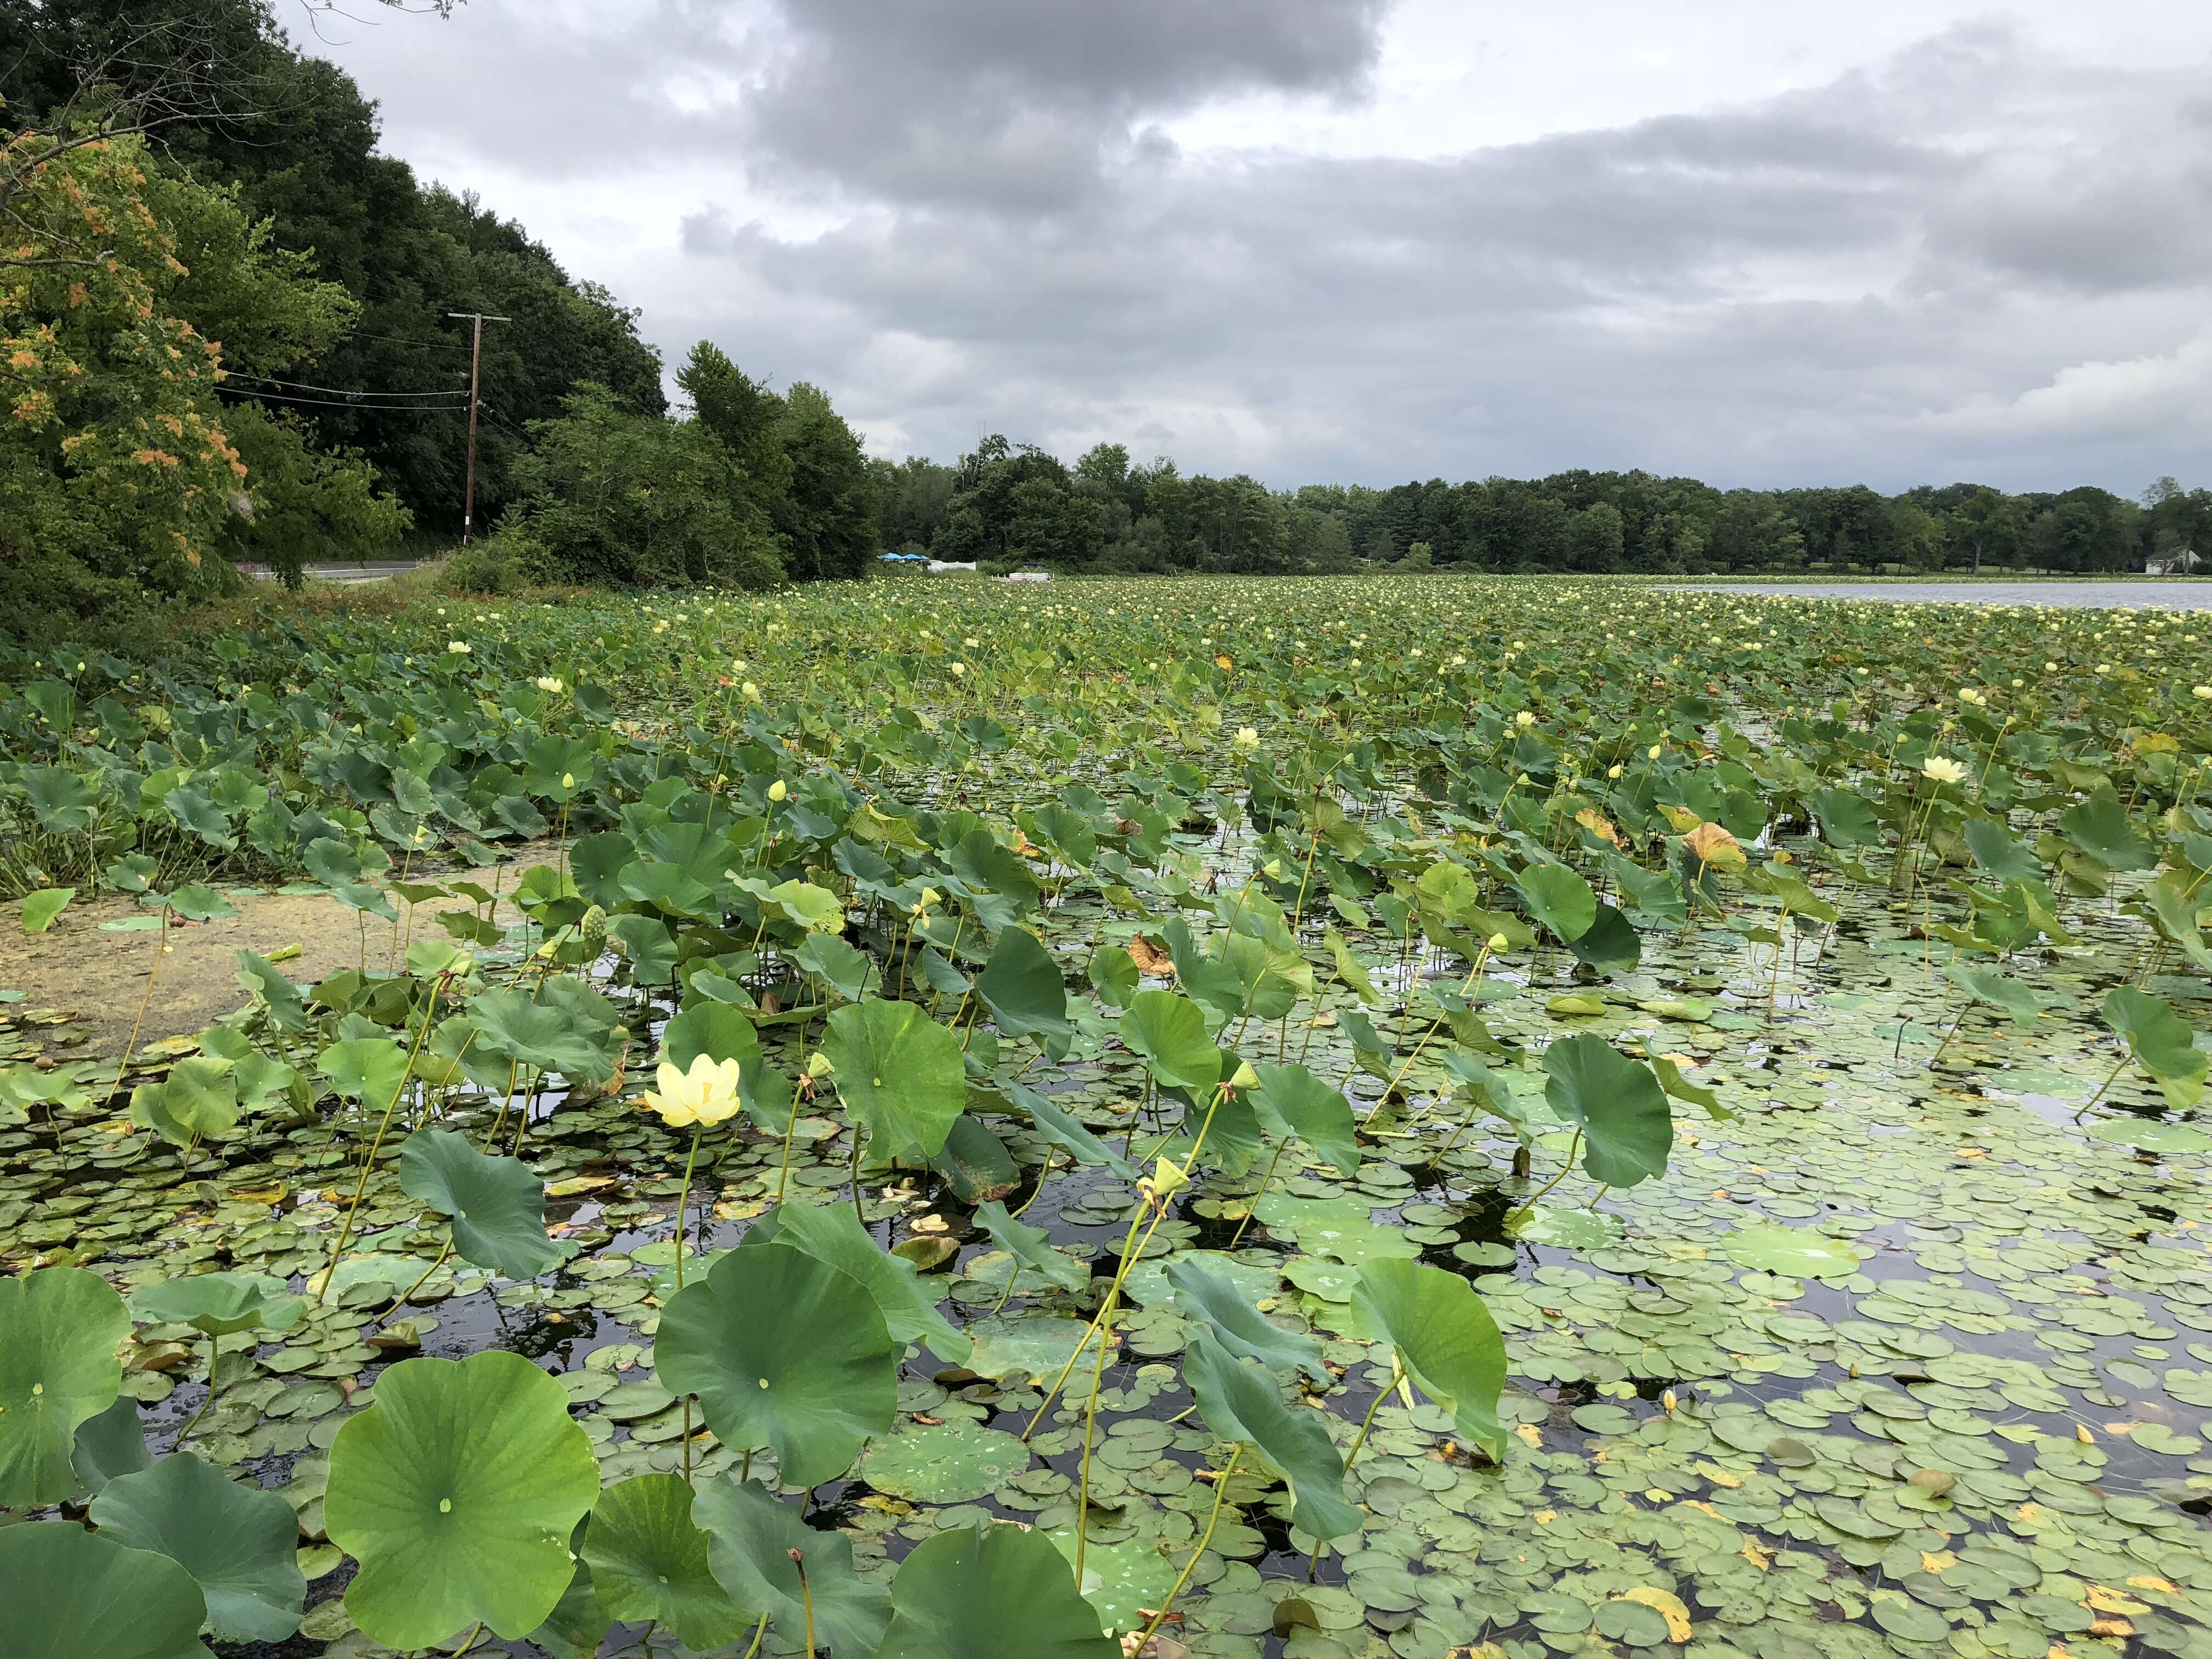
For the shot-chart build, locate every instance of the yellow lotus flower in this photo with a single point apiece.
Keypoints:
(1943, 769)
(1247, 739)
(457, 647)
(550, 685)
(705, 1094)
(778, 790)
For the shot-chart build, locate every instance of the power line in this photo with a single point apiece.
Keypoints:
(341, 391)
(346, 403)
(395, 339)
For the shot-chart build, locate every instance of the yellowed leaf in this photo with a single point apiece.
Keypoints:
(1667, 1605)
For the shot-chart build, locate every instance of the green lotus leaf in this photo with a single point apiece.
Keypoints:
(109, 1444)
(579, 1622)
(59, 1328)
(1241, 1402)
(713, 1028)
(1627, 1129)
(1610, 944)
(1446, 1340)
(1170, 1032)
(497, 1205)
(783, 1351)
(1120, 1581)
(648, 1561)
(40, 908)
(2000, 852)
(1291, 1100)
(907, 1302)
(1238, 1326)
(1771, 1248)
(1113, 976)
(2161, 1041)
(2150, 1134)
(899, 1072)
(991, 1591)
(457, 1491)
(367, 1069)
(1065, 1132)
(216, 1304)
(197, 1101)
(1567, 1226)
(1559, 898)
(541, 1033)
(750, 1540)
(944, 1462)
(239, 1542)
(69, 1594)
(975, 1163)
(847, 970)
(1034, 1344)
(1996, 988)
(195, 903)
(2098, 825)
(1031, 1247)
(1025, 989)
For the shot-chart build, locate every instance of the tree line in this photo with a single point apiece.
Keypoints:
(1012, 504)
(226, 339)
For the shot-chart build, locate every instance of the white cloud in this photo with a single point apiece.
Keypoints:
(1904, 239)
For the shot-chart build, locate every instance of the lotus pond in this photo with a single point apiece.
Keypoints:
(1422, 1117)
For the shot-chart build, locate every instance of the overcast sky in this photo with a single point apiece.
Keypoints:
(1760, 241)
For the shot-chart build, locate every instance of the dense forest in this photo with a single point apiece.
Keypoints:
(1009, 503)
(228, 336)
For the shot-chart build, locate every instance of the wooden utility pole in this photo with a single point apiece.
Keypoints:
(476, 358)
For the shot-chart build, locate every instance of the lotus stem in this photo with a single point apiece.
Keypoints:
(160, 950)
(1397, 1375)
(1253, 1208)
(1220, 1495)
(432, 1268)
(790, 1128)
(1565, 1169)
(806, 1593)
(1082, 1481)
(760, 1633)
(2101, 1087)
(368, 1163)
(193, 1422)
(683, 1202)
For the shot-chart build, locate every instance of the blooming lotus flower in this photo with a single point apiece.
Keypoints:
(1524, 718)
(1943, 769)
(457, 647)
(705, 1094)
(550, 685)
(1248, 739)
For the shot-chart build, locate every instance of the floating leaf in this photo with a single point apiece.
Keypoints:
(217, 1304)
(1771, 1248)
(944, 1462)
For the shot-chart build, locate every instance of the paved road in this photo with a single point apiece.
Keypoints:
(2105, 595)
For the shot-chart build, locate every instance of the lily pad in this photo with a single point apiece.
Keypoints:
(944, 1462)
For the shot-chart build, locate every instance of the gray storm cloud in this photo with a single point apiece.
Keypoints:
(1974, 257)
